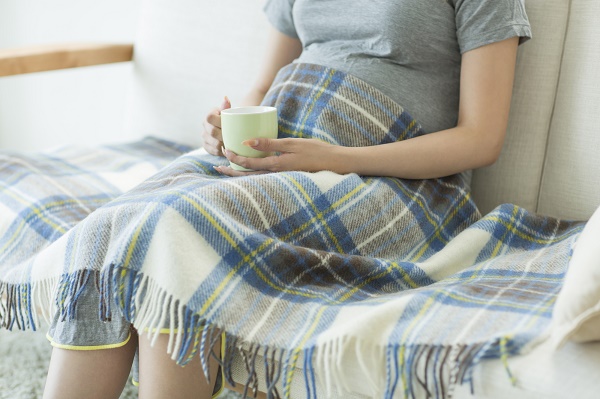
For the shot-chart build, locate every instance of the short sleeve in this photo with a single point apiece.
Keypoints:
(279, 14)
(481, 22)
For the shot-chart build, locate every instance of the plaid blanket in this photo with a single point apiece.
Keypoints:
(43, 196)
(307, 270)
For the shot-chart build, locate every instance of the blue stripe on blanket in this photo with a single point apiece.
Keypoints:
(296, 266)
(43, 195)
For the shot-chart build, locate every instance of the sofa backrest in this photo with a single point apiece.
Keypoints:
(190, 53)
(550, 161)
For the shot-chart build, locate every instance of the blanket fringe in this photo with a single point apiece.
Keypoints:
(431, 371)
(406, 371)
(21, 305)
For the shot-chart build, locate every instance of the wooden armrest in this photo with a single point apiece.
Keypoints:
(52, 57)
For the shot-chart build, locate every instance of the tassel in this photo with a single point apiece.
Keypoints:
(424, 383)
(71, 288)
(232, 345)
(443, 363)
(268, 373)
(504, 358)
(249, 368)
(309, 373)
(204, 359)
(3, 306)
(276, 377)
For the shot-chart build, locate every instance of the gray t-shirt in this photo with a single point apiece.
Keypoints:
(409, 49)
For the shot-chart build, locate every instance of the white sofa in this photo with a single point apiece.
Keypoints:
(189, 53)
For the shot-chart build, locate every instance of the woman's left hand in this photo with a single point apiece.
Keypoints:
(307, 155)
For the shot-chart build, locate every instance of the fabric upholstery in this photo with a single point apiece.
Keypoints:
(189, 55)
(541, 374)
(515, 177)
(576, 315)
(570, 183)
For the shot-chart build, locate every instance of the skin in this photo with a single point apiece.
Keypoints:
(96, 374)
(281, 50)
(487, 75)
(102, 374)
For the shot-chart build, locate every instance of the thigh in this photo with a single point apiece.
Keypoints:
(89, 374)
(161, 377)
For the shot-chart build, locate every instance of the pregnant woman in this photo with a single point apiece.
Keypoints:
(383, 105)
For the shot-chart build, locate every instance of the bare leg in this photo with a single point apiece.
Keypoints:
(97, 374)
(161, 377)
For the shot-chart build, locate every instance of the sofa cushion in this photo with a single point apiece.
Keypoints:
(576, 314)
(515, 177)
(570, 187)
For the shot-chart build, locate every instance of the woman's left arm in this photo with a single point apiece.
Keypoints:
(487, 75)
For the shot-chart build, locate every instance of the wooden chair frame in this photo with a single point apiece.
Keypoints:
(31, 59)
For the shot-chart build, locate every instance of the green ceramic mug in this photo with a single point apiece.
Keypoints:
(245, 123)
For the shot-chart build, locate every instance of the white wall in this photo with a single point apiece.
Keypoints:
(83, 105)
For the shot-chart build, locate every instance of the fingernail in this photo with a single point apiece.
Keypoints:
(250, 143)
(217, 168)
(223, 150)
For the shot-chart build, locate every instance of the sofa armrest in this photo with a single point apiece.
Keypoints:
(62, 56)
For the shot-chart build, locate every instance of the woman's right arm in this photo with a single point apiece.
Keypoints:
(281, 50)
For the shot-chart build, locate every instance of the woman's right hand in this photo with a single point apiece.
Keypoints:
(212, 139)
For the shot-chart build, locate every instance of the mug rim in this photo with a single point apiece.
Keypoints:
(248, 110)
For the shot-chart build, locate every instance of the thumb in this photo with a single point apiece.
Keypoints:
(225, 104)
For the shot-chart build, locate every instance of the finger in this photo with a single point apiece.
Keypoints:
(214, 111)
(212, 145)
(229, 171)
(264, 164)
(240, 160)
(213, 116)
(212, 137)
(225, 104)
(271, 145)
(218, 150)
(212, 150)
(214, 120)
(214, 132)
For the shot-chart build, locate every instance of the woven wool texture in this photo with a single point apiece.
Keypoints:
(406, 273)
